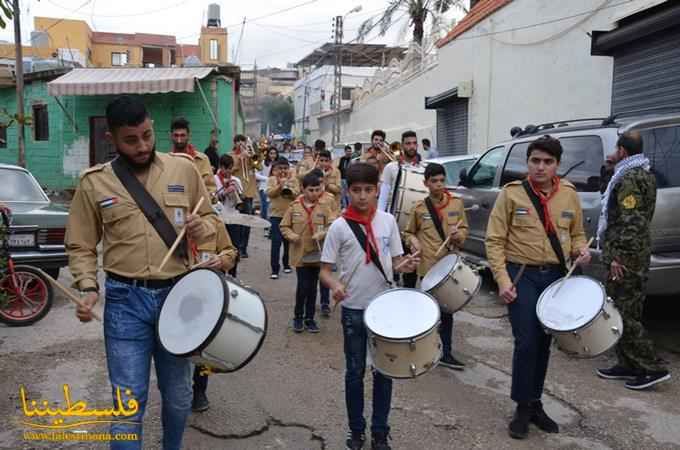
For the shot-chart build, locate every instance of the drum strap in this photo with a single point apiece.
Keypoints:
(361, 237)
(435, 218)
(552, 237)
(148, 206)
(394, 188)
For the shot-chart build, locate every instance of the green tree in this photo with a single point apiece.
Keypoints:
(418, 10)
(279, 114)
(6, 12)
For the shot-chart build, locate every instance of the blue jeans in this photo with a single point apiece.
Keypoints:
(354, 332)
(130, 318)
(532, 345)
(264, 205)
(344, 194)
(277, 241)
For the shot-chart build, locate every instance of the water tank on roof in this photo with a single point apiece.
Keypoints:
(214, 15)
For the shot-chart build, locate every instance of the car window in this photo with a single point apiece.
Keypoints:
(18, 186)
(453, 169)
(582, 159)
(662, 147)
(483, 173)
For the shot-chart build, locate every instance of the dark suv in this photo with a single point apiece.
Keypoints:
(586, 143)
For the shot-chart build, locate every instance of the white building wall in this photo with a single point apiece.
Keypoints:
(536, 74)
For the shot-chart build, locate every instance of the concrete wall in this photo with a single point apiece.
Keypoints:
(57, 163)
(533, 75)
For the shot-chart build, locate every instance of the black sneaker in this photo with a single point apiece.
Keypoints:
(298, 325)
(648, 380)
(379, 441)
(200, 401)
(244, 255)
(325, 311)
(287, 270)
(541, 419)
(274, 276)
(451, 362)
(519, 426)
(617, 373)
(355, 440)
(311, 326)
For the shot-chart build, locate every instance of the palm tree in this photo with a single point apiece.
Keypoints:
(418, 11)
(6, 12)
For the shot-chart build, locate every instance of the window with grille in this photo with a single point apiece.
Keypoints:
(41, 127)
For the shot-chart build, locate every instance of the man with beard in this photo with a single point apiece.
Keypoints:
(104, 210)
(391, 175)
(212, 153)
(180, 135)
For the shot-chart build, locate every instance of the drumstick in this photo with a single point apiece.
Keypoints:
(472, 208)
(406, 259)
(519, 275)
(571, 270)
(346, 283)
(68, 293)
(448, 239)
(179, 237)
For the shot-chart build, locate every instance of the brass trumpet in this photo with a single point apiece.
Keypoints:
(287, 186)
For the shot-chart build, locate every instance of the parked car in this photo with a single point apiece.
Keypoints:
(454, 165)
(38, 226)
(586, 143)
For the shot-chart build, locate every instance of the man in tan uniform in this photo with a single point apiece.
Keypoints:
(103, 210)
(518, 234)
(180, 135)
(282, 189)
(304, 226)
(246, 163)
(426, 234)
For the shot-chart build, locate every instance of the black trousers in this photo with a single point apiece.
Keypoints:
(305, 296)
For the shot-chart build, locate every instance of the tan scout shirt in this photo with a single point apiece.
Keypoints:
(304, 167)
(329, 199)
(249, 181)
(278, 203)
(332, 182)
(103, 210)
(220, 245)
(515, 232)
(421, 226)
(204, 168)
(295, 224)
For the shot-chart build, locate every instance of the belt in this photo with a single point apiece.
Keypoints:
(148, 284)
(539, 267)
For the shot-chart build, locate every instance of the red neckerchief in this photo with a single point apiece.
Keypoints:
(236, 150)
(354, 215)
(439, 209)
(309, 213)
(549, 226)
(220, 175)
(190, 150)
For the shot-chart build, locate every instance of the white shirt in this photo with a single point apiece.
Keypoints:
(342, 248)
(262, 176)
(229, 206)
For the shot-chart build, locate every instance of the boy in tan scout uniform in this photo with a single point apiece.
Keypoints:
(331, 176)
(280, 178)
(180, 135)
(304, 226)
(518, 235)
(422, 235)
(104, 211)
(246, 163)
(219, 254)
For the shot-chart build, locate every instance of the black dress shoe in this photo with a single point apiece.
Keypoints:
(618, 373)
(519, 426)
(200, 401)
(541, 419)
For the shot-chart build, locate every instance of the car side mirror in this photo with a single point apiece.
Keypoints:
(463, 177)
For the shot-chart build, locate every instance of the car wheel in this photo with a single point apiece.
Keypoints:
(29, 296)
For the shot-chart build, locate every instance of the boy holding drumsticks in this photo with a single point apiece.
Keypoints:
(304, 227)
(438, 220)
(365, 272)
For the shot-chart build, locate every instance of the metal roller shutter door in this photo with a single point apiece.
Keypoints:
(452, 128)
(647, 73)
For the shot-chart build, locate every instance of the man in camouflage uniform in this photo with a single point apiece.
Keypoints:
(624, 230)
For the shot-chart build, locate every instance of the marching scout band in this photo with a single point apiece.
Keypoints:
(145, 203)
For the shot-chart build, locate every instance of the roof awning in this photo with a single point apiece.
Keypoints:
(127, 81)
(439, 100)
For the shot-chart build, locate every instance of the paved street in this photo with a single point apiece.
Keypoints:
(291, 396)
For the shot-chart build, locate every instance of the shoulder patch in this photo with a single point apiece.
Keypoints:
(93, 169)
(200, 155)
(629, 202)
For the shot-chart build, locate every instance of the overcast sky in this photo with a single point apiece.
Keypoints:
(274, 40)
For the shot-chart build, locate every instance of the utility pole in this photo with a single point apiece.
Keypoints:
(304, 111)
(338, 77)
(19, 75)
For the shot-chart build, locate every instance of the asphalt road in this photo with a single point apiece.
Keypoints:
(292, 396)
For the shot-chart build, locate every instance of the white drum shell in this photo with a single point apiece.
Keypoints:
(411, 356)
(409, 191)
(456, 289)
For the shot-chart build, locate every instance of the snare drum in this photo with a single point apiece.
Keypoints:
(582, 318)
(452, 282)
(213, 320)
(403, 340)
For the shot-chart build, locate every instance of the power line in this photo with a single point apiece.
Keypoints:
(113, 16)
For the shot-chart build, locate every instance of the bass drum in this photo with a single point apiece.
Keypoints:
(213, 320)
(407, 193)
